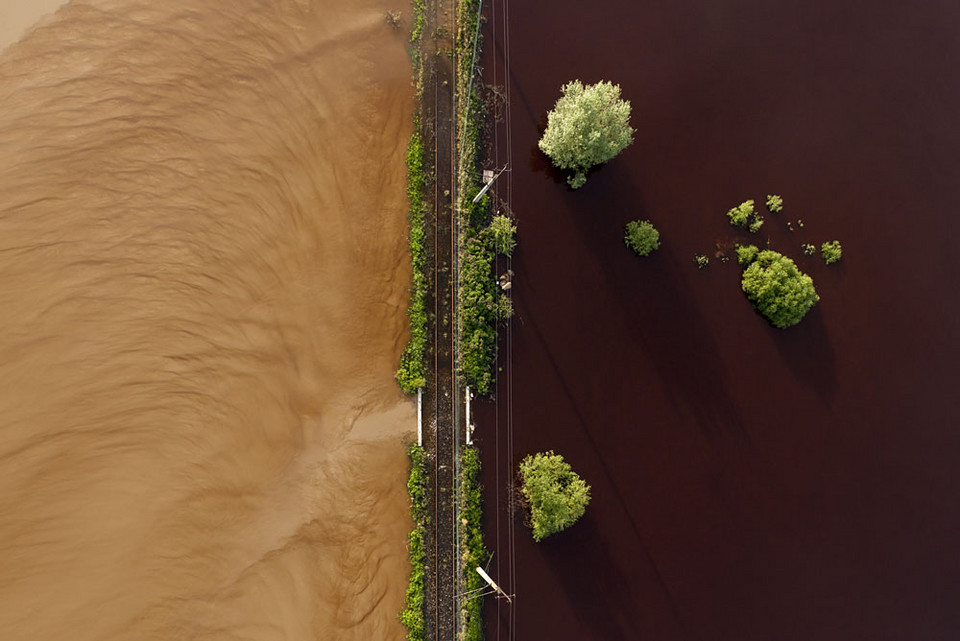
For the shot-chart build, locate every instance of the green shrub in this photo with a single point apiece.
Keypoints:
(701, 260)
(745, 215)
(831, 251)
(746, 254)
(774, 204)
(778, 290)
(503, 231)
(808, 249)
(504, 307)
(556, 495)
(642, 237)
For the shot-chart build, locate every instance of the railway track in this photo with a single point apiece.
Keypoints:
(443, 395)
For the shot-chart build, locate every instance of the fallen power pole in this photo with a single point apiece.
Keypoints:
(487, 186)
(492, 584)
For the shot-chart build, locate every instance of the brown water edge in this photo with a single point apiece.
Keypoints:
(203, 276)
(19, 16)
(748, 483)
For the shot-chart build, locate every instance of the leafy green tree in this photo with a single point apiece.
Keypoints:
(555, 494)
(642, 237)
(745, 215)
(504, 232)
(778, 290)
(831, 251)
(746, 254)
(774, 203)
(588, 126)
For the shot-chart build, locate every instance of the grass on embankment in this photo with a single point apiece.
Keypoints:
(412, 615)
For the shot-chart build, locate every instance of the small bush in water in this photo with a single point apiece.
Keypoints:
(642, 237)
(831, 251)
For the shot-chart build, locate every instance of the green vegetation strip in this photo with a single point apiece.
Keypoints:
(416, 35)
(471, 542)
(480, 303)
(412, 615)
(413, 373)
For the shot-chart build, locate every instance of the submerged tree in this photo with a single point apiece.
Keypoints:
(556, 495)
(746, 254)
(745, 215)
(588, 126)
(642, 237)
(831, 251)
(777, 289)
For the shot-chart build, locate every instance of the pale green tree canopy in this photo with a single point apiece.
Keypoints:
(556, 495)
(778, 290)
(588, 126)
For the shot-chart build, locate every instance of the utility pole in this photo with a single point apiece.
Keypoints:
(487, 186)
(492, 584)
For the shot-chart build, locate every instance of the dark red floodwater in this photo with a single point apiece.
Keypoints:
(748, 483)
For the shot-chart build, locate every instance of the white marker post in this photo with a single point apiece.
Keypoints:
(466, 401)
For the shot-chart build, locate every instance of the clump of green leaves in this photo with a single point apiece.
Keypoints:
(745, 215)
(746, 254)
(642, 237)
(831, 251)
(588, 126)
(808, 249)
(504, 307)
(504, 232)
(701, 260)
(774, 203)
(778, 290)
(555, 494)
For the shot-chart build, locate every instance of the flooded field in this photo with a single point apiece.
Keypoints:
(203, 278)
(748, 482)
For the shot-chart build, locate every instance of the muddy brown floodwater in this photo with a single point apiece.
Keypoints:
(203, 278)
(748, 483)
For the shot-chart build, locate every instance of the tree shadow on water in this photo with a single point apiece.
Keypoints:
(667, 325)
(597, 589)
(539, 163)
(807, 351)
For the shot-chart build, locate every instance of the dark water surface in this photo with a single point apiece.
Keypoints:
(748, 483)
